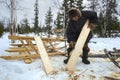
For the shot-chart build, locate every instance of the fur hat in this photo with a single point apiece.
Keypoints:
(74, 12)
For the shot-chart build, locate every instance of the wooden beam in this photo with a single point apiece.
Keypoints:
(78, 47)
(13, 57)
(23, 43)
(27, 60)
(19, 45)
(32, 45)
(101, 55)
(18, 49)
(44, 56)
(32, 38)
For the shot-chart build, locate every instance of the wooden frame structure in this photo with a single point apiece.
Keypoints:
(29, 50)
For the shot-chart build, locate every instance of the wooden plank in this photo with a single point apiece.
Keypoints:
(44, 56)
(78, 47)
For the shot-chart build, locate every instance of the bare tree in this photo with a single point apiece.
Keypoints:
(12, 7)
(13, 28)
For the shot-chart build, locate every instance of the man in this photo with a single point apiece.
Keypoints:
(76, 22)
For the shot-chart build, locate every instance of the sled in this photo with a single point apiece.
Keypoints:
(44, 56)
(113, 57)
(78, 47)
(28, 49)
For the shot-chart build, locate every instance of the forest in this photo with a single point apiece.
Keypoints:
(108, 24)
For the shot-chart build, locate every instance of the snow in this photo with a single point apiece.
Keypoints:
(99, 68)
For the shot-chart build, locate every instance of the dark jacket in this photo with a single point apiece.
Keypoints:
(74, 27)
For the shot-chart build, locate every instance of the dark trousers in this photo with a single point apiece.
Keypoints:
(85, 51)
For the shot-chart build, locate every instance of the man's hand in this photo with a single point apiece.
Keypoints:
(72, 44)
(92, 26)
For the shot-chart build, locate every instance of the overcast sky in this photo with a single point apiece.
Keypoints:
(28, 9)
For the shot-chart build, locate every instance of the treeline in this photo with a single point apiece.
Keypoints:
(1, 28)
(108, 24)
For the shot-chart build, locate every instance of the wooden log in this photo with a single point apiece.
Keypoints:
(26, 48)
(15, 50)
(13, 57)
(27, 60)
(101, 55)
(32, 45)
(110, 78)
(20, 45)
(20, 37)
(32, 38)
(44, 56)
(19, 49)
(78, 47)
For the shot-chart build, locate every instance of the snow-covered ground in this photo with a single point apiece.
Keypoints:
(97, 70)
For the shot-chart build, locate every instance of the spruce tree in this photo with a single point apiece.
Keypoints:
(101, 29)
(94, 4)
(107, 17)
(110, 16)
(36, 22)
(79, 4)
(25, 27)
(48, 22)
(59, 21)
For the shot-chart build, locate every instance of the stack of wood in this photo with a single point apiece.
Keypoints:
(29, 50)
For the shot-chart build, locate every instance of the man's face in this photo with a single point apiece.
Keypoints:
(75, 18)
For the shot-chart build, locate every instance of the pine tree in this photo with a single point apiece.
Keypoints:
(110, 16)
(59, 24)
(94, 4)
(79, 4)
(19, 29)
(48, 22)
(25, 28)
(36, 27)
(59, 21)
(107, 16)
(100, 29)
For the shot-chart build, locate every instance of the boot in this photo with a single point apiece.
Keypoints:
(66, 60)
(68, 51)
(85, 55)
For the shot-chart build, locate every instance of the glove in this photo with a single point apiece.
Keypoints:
(72, 44)
(92, 26)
